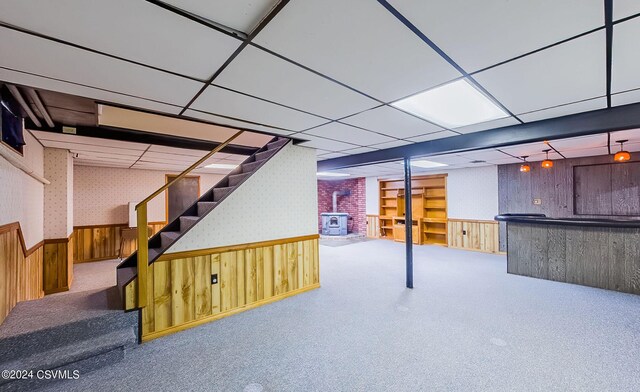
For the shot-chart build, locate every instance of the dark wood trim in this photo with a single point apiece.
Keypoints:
(34, 248)
(57, 240)
(113, 225)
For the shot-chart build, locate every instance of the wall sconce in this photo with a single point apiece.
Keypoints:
(525, 168)
(547, 163)
(622, 155)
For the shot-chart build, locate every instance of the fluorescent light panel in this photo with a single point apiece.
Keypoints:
(427, 164)
(221, 166)
(452, 105)
(332, 174)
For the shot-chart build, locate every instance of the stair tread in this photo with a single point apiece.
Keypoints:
(56, 357)
(170, 234)
(277, 144)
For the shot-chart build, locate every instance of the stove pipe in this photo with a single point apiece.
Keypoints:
(335, 195)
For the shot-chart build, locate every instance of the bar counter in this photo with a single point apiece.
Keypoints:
(602, 253)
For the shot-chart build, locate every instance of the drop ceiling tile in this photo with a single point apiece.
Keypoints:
(47, 83)
(79, 66)
(625, 98)
(449, 159)
(393, 122)
(82, 162)
(563, 74)
(586, 152)
(502, 122)
(219, 101)
(79, 141)
(565, 110)
(579, 143)
(322, 143)
(432, 136)
(145, 33)
(349, 134)
(633, 135)
(234, 123)
(241, 15)
(357, 42)
(330, 156)
(263, 75)
(488, 32)
(533, 150)
(624, 62)
(505, 161)
(171, 157)
(358, 150)
(624, 8)
(483, 155)
(178, 151)
(395, 143)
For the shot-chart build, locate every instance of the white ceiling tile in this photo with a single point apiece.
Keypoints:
(391, 122)
(505, 161)
(171, 157)
(349, 134)
(75, 65)
(432, 136)
(586, 152)
(358, 150)
(234, 123)
(90, 155)
(47, 83)
(263, 75)
(145, 33)
(176, 150)
(502, 122)
(241, 15)
(483, 155)
(624, 98)
(563, 74)
(86, 162)
(579, 143)
(321, 151)
(395, 143)
(322, 143)
(357, 42)
(449, 159)
(624, 62)
(633, 135)
(624, 8)
(565, 110)
(533, 150)
(219, 101)
(490, 31)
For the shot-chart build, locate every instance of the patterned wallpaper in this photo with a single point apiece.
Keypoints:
(58, 203)
(22, 196)
(279, 201)
(102, 194)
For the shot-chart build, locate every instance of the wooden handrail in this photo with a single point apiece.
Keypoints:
(143, 234)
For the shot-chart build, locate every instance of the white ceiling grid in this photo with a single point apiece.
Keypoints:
(325, 71)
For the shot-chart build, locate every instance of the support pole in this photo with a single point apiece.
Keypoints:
(408, 222)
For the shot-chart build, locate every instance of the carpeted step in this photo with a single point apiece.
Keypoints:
(82, 356)
(168, 237)
(238, 178)
(265, 154)
(186, 222)
(154, 252)
(251, 166)
(219, 193)
(205, 206)
(277, 144)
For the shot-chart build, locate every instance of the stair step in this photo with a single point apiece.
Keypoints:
(154, 252)
(251, 166)
(219, 193)
(186, 222)
(277, 144)
(265, 154)
(168, 237)
(83, 356)
(205, 206)
(238, 178)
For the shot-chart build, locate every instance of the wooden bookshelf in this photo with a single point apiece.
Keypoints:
(428, 209)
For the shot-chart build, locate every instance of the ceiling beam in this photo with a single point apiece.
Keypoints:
(608, 24)
(129, 135)
(587, 123)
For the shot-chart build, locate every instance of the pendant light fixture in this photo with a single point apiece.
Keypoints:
(547, 163)
(622, 155)
(525, 168)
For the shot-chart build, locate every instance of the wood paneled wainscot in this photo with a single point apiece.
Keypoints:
(57, 266)
(102, 242)
(190, 288)
(20, 269)
(478, 235)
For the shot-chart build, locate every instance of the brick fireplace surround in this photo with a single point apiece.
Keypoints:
(355, 205)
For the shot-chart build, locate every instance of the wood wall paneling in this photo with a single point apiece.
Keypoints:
(475, 235)
(57, 265)
(102, 242)
(373, 226)
(181, 294)
(20, 269)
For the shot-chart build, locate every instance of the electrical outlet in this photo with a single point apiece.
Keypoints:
(464, 232)
(214, 278)
(537, 202)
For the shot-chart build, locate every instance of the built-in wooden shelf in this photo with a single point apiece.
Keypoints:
(428, 209)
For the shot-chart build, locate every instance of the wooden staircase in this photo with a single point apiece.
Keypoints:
(173, 231)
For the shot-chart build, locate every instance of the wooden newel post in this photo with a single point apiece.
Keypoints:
(143, 253)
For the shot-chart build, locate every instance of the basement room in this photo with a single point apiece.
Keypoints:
(306, 195)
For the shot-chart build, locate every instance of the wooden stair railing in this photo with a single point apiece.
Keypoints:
(143, 235)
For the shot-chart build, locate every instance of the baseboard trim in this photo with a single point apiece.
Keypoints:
(214, 317)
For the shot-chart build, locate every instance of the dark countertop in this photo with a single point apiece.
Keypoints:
(542, 219)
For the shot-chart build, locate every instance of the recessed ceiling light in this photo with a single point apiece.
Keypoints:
(452, 105)
(221, 166)
(427, 164)
(332, 174)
